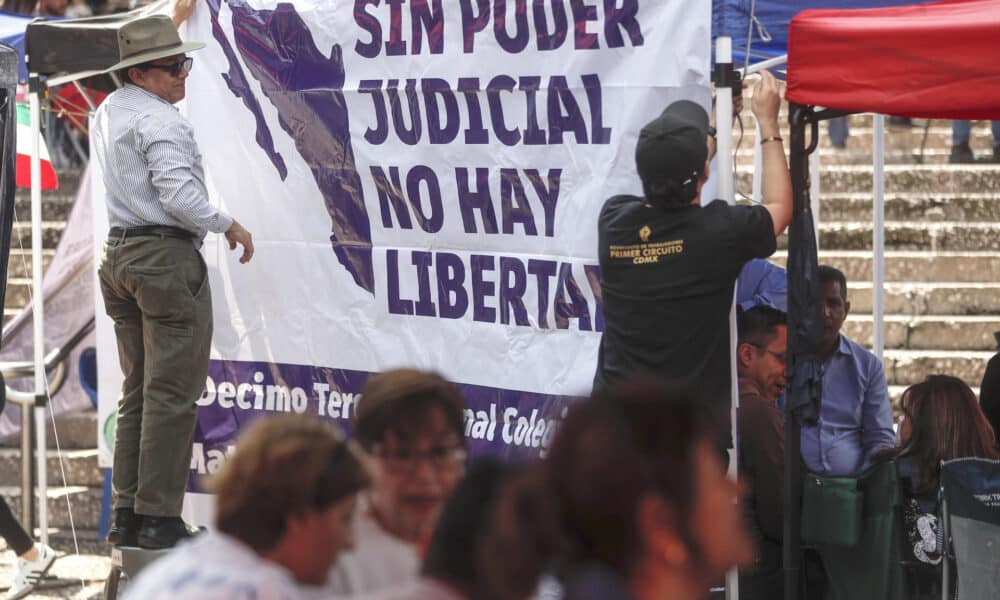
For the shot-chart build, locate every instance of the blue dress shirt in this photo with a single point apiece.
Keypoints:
(762, 283)
(856, 415)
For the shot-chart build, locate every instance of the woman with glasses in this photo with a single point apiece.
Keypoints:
(411, 425)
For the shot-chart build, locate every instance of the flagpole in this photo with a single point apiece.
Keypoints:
(37, 308)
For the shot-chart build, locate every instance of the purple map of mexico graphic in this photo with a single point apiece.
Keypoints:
(305, 87)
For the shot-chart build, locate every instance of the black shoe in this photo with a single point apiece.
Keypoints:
(961, 154)
(125, 529)
(159, 533)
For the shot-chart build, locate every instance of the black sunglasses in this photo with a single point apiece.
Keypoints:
(174, 68)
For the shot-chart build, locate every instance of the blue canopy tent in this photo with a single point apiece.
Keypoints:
(769, 26)
(12, 28)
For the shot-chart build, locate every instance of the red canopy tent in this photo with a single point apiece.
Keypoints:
(937, 60)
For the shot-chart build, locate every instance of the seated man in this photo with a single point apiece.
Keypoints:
(285, 500)
(412, 426)
(856, 416)
(760, 355)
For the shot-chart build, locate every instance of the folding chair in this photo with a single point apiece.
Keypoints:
(970, 516)
(871, 568)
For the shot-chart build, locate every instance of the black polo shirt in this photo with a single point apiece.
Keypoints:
(667, 278)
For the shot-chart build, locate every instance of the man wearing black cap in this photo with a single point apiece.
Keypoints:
(669, 264)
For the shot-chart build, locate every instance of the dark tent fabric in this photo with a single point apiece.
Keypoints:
(732, 18)
(936, 60)
(8, 151)
(79, 45)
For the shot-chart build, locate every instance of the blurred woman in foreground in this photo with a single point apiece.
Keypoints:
(631, 502)
(284, 506)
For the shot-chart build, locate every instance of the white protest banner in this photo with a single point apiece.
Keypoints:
(422, 179)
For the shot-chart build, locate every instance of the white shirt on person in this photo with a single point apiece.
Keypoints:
(215, 566)
(153, 172)
(423, 588)
(379, 560)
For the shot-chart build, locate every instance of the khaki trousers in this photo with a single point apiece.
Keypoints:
(156, 290)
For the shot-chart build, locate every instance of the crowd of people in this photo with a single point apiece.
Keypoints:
(631, 500)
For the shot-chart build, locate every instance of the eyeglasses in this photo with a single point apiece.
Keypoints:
(174, 68)
(781, 356)
(406, 460)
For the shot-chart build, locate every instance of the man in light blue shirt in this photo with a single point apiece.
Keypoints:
(153, 278)
(856, 414)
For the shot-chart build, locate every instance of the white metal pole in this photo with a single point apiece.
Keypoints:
(814, 191)
(878, 235)
(37, 313)
(770, 63)
(724, 124)
(724, 158)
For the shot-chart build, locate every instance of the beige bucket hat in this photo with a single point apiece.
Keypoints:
(147, 39)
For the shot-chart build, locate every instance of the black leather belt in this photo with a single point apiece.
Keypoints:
(119, 233)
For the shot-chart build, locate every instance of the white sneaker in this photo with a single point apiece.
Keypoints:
(30, 572)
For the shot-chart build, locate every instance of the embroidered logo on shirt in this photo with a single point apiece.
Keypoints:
(644, 233)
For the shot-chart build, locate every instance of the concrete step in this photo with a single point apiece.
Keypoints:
(910, 235)
(19, 265)
(77, 431)
(80, 467)
(938, 332)
(971, 267)
(56, 205)
(84, 503)
(18, 292)
(51, 232)
(912, 206)
(907, 367)
(900, 178)
(896, 138)
(863, 156)
(939, 298)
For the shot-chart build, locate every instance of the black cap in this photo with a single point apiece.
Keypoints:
(671, 152)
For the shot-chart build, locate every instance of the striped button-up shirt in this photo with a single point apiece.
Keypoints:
(152, 168)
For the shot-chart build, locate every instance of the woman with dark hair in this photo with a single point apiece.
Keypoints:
(941, 421)
(631, 502)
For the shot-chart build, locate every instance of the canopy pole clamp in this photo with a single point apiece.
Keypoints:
(37, 86)
(726, 76)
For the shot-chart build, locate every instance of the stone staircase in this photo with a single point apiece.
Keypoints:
(75, 481)
(942, 241)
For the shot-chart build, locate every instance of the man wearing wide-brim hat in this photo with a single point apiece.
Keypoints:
(153, 277)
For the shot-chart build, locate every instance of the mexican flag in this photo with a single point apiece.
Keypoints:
(23, 179)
